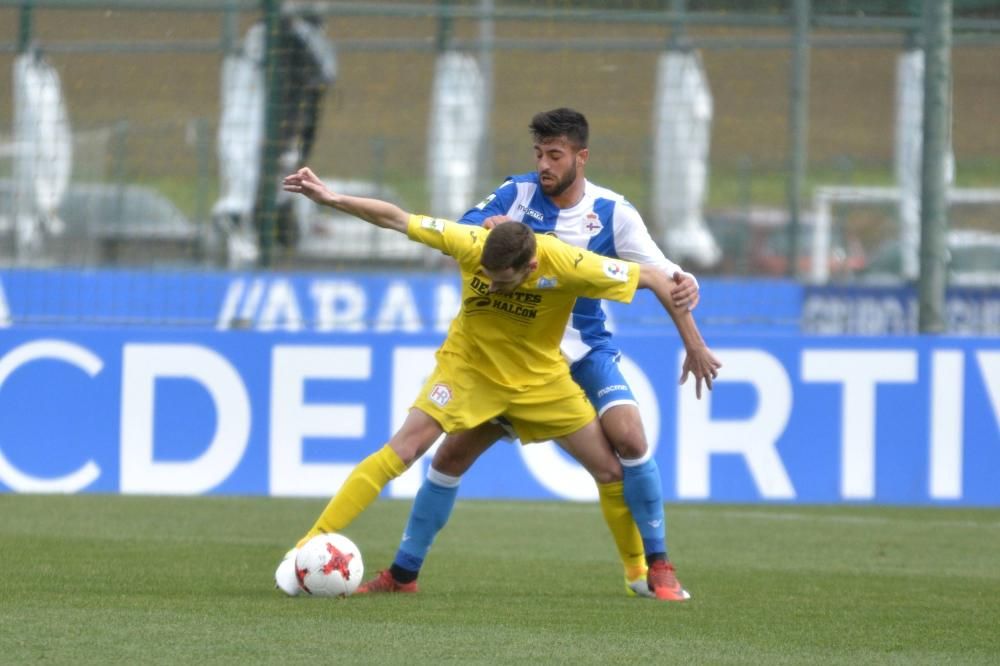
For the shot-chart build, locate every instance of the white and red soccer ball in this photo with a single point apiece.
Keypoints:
(329, 565)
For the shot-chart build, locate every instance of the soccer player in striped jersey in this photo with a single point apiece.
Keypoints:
(501, 355)
(557, 199)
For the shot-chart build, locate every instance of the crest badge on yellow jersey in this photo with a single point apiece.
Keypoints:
(440, 394)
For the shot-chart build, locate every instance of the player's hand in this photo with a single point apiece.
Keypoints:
(686, 292)
(494, 220)
(701, 363)
(305, 182)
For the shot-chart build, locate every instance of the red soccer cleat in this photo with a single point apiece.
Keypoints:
(662, 581)
(384, 582)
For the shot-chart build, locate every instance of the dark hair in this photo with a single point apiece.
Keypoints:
(508, 245)
(565, 122)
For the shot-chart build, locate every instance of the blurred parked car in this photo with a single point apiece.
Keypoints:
(103, 223)
(973, 260)
(754, 241)
(326, 234)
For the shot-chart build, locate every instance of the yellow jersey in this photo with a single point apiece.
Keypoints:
(514, 338)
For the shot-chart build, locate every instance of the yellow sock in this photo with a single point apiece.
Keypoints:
(360, 489)
(623, 529)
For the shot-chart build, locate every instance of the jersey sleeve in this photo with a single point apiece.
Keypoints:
(451, 238)
(589, 274)
(497, 203)
(633, 242)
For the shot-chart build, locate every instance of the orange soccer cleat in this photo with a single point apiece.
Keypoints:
(384, 582)
(663, 583)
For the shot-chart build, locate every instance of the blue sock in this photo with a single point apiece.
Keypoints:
(644, 496)
(431, 509)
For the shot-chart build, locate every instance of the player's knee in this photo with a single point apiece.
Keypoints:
(418, 433)
(451, 460)
(605, 469)
(406, 451)
(629, 443)
(622, 425)
(410, 447)
(609, 474)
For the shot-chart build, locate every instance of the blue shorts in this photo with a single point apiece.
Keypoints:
(601, 379)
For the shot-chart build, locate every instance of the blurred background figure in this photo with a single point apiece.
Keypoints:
(42, 151)
(308, 67)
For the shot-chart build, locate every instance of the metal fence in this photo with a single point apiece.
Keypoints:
(803, 120)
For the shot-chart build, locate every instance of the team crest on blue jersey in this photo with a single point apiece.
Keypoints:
(546, 282)
(592, 224)
(616, 270)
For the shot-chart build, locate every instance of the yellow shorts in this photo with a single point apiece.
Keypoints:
(459, 397)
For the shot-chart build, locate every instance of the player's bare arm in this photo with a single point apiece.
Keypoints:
(699, 360)
(685, 293)
(380, 213)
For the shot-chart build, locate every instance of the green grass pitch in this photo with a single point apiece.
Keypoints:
(93, 579)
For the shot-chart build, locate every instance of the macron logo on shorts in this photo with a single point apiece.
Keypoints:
(440, 394)
(608, 389)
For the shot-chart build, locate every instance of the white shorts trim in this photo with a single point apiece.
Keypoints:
(615, 403)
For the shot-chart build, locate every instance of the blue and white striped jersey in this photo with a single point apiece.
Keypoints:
(602, 221)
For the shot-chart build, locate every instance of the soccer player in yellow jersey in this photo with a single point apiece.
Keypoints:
(501, 356)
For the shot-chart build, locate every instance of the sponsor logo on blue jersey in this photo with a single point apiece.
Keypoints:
(530, 212)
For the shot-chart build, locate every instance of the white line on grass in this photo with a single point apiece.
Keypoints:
(835, 518)
(743, 514)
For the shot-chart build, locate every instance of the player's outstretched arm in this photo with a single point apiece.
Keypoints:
(634, 243)
(687, 293)
(699, 360)
(379, 213)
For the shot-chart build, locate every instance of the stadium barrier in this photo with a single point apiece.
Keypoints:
(278, 385)
(413, 302)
